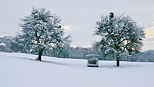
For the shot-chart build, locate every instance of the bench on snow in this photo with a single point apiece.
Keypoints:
(92, 60)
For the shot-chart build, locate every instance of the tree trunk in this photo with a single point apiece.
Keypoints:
(118, 62)
(40, 55)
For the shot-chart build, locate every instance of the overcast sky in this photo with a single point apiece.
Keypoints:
(79, 16)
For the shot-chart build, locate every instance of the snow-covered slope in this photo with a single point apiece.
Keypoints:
(17, 70)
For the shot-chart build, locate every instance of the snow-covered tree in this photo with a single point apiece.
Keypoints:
(41, 31)
(62, 50)
(121, 36)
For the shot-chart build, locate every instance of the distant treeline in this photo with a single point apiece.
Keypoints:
(78, 52)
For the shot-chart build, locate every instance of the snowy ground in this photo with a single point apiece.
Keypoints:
(16, 70)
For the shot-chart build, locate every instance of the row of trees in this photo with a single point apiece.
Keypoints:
(42, 32)
(80, 52)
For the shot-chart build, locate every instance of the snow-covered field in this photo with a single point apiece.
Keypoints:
(17, 70)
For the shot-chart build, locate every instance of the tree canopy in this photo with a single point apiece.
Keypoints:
(41, 31)
(120, 36)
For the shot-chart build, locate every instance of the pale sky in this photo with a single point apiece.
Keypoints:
(79, 16)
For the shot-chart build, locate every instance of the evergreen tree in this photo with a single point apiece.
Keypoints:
(121, 36)
(40, 31)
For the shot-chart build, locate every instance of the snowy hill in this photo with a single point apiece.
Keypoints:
(18, 70)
